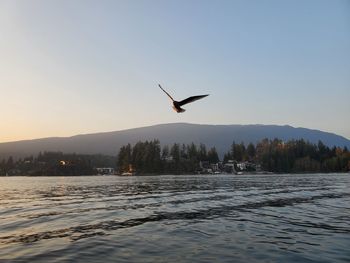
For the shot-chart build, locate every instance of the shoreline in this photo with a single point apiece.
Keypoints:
(162, 174)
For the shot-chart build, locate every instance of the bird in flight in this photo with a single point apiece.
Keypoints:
(177, 104)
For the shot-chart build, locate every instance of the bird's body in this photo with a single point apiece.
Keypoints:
(177, 104)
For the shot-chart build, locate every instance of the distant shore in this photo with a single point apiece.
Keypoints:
(163, 174)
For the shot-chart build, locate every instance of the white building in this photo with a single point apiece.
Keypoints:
(105, 170)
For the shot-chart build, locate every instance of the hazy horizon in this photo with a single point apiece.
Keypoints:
(145, 126)
(186, 124)
(83, 67)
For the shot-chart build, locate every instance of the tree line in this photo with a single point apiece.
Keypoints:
(150, 157)
(293, 156)
(56, 163)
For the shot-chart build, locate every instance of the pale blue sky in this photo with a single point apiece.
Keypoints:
(71, 67)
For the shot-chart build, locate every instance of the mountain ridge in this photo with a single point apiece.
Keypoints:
(219, 135)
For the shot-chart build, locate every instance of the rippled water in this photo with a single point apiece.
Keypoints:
(221, 218)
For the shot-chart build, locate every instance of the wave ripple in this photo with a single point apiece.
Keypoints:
(224, 218)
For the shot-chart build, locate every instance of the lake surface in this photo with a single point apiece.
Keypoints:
(206, 218)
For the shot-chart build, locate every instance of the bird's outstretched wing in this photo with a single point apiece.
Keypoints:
(191, 99)
(166, 92)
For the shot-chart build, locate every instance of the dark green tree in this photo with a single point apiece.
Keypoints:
(213, 155)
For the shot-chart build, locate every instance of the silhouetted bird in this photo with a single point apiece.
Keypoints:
(177, 104)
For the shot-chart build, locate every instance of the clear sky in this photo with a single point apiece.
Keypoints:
(73, 67)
